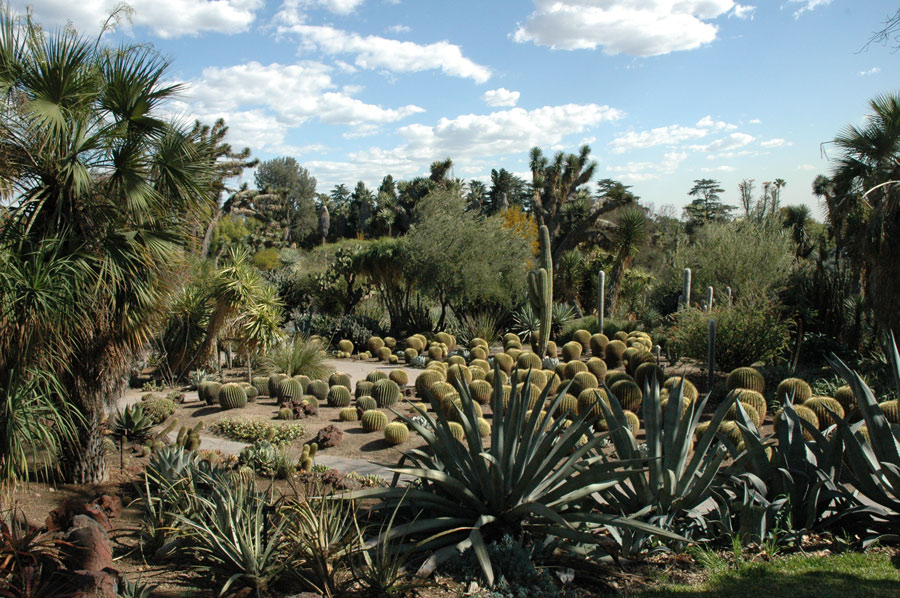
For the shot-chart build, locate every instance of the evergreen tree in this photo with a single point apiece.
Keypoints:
(707, 205)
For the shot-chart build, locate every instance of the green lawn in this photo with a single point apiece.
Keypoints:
(849, 575)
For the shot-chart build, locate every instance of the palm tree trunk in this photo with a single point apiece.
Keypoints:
(86, 462)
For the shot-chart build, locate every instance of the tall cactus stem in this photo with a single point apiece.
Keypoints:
(686, 288)
(601, 297)
(711, 355)
(709, 299)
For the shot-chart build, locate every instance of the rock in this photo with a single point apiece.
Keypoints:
(88, 547)
(328, 436)
(110, 505)
(334, 478)
(95, 584)
(97, 514)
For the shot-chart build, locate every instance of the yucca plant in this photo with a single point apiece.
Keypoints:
(237, 535)
(680, 476)
(873, 462)
(529, 483)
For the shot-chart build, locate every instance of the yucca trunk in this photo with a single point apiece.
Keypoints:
(86, 461)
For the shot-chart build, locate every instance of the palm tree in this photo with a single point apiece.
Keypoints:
(866, 204)
(796, 219)
(94, 168)
(628, 236)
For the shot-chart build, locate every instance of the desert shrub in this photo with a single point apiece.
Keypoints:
(752, 259)
(267, 259)
(357, 329)
(751, 330)
(266, 459)
(252, 430)
(158, 409)
(296, 356)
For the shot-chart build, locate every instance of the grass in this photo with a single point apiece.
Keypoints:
(851, 574)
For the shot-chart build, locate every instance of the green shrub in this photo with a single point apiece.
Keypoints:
(298, 356)
(251, 430)
(751, 330)
(267, 259)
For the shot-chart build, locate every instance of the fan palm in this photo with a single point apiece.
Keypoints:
(91, 164)
(867, 196)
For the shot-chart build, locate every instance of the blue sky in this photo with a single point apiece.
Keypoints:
(664, 91)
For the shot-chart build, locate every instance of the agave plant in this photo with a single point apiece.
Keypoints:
(132, 424)
(529, 483)
(235, 533)
(873, 463)
(799, 464)
(680, 477)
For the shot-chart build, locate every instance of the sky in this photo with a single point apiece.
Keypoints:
(664, 91)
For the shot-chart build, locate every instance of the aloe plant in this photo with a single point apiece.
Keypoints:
(873, 463)
(531, 481)
(680, 476)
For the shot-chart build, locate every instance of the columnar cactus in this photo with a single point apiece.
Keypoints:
(686, 288)
(601, 297)
(711, 355)
(540, 292)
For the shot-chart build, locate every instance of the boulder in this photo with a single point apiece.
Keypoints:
(328, 436)
(89, 548)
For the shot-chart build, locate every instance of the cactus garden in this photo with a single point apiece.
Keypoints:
(220, 378)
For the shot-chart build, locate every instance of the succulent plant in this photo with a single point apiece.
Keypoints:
(285, 413)
(583, 381)
(456, 430)
(251, 391)
(481, 391)
(409, 354)
(307, 456)
(688, 389)
(366, 403)
(348, 414)
(628, 393)
(374, 343)
(232, 396)
(574, 367)
(752, 398)
(597, 367)
(571, 351)
(158, 409)
(376, 375)
(209, 392)
(384, 354)
(793, 389)
(527, 360)
(639, 358)
(890, 411)
(598, 344)
(339, 379)
(274, 384)
(458, 374)
(613, 377)
(746, 377)
(345, 345)
(289, 390)
(505, 361)
(613, 353)
(373, 421)
(821, 407)
(318, 389)
(456, 359)
(132, 424)
(396, 433)
(386, 393)
(400, 377)
(844, 395)
(804, 413)
(338, 396)
(646, 372)
(540, 292)
(589, 400)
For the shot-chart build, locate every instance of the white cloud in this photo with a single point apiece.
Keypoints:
(633, 27)
(670, 135)
(376, 52)
(470, 139)
(341, 7)
(722, 168)
(192, 17)
(500, 97)
(872, 71)
(742, 12)
(636, 172)
(262, 103)
(399, 29)
(776, 142)
(755, 121)
(716, 125)
(806, 167)
(808, 5)
(728, 143)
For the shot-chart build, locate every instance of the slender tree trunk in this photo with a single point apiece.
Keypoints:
(207, 237)
(85, 462)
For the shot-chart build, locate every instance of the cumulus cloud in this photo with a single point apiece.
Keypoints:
(669, 135)
(193, 16)
(742, 12)
(636, 172)
(755, 121)
(728, 143)
(376, 52)
(808, 6)
(472, 140)
(341, 7)
(500, 97)
(262, 103)
(716, 125)
(872, 71)
(777, 142)
(633, 27)
(399, 29)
